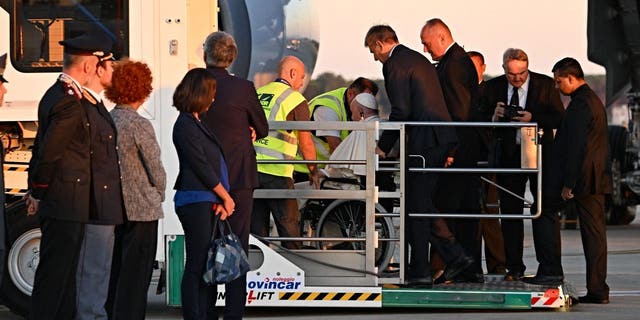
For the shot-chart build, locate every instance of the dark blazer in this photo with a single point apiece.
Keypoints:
(415, 94)
(459, 81)
(580, 149)
(543, 101)
(199, 155)
(234, 110)
(107, 206)
(60, 167)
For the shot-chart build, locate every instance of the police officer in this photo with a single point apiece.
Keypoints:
(61, 177)
(281, 101)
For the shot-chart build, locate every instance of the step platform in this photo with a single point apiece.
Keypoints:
(494, 293)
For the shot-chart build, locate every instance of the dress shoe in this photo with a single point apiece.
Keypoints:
(460, 264)
(425, 282)
(513, 276)
(593, 299)
(469, 277)
(544, 280)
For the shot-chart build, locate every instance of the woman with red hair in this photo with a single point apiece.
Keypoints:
(143, 184)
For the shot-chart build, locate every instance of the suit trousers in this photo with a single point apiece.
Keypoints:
(513, 229)
(459, 193)
(491, 233)
(132, 267)
(285, 211)
(198, 298)
(594, 242)
(54, 287)
(546, 238)
(94, 268)
(240, 221)
(420, 190)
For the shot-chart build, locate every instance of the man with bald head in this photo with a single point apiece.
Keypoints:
(282, 101)
(458, 193)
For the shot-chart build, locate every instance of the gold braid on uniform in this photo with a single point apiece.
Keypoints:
(70, 87)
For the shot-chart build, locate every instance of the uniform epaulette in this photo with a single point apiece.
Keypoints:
(70, 86)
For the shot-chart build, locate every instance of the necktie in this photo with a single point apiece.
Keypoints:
(515, 99)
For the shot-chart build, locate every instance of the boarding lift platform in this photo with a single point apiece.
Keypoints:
(348, 275)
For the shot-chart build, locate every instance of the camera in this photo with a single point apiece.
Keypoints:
(510, 112)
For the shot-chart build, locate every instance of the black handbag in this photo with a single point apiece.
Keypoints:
(226, 260)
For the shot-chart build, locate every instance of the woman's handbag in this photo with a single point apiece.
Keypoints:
(226, 260)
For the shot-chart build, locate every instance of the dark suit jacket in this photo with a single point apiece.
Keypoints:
(234, 110)
(106, 206)
(580, 149)
(543, 101)
(199, 155)
(459, 81)
(60, 167)
(415, 94)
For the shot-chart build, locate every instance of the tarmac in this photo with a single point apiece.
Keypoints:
(623, 278)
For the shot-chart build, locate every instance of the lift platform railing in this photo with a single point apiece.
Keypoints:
(371, 194)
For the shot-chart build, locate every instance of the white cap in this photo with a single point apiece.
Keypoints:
(367, 100)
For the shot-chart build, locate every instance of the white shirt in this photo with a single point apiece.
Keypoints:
(522, 93)
(95, 95)
(391, 51)
(322, 113)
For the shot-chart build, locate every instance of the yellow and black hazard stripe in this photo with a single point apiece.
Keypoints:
(19, 169)
(330, 296)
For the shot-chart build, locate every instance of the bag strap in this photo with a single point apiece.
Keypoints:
(215, 228)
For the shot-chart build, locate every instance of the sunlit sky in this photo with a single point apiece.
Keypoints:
(547, 30)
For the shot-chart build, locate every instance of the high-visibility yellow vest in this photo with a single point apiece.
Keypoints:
(334, 100)
(277, 100)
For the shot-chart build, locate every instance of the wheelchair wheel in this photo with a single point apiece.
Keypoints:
(347, 219)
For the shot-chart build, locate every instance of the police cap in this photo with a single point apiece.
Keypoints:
(90, 44)
(3, 65)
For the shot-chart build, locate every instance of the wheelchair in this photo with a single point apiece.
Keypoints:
(345, 218)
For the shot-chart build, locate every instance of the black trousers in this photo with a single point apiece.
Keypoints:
(513, 229)
(420, 190)
(459, 193)
(54, 287)
(198, 298)
(131, 269)
(594, 242)
(546, 238)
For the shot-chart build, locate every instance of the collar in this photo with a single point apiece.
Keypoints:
(125, 107)
(524, 86)
(392, 48)
(579, 90)
(447, 50)
(283, 81)
(94, 94)
(67, 77)
(371, 118)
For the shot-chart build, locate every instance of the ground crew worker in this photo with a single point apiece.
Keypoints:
(334, 106)
(281, 101)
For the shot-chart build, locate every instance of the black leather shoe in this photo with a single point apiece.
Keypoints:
(544, 280)
(462, 263)
(593, 299)
(513, 276)
(469, 277)
(425, 282)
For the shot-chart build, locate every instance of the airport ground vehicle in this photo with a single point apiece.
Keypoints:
(614, 42)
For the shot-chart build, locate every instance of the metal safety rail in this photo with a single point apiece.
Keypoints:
(371, 194)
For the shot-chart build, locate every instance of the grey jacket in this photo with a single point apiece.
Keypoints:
(143, 176)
